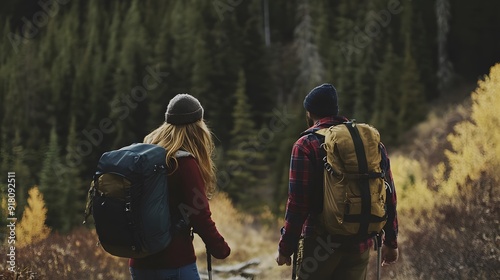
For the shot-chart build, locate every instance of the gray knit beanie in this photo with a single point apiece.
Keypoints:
(183, 109)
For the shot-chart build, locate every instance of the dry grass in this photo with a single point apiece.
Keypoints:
(247, 238)
(72, 256)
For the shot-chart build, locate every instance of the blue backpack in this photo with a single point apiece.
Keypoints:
(129, 201)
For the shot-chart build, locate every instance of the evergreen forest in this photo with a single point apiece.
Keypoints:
(78, 78)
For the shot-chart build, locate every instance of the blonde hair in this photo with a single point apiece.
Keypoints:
(194, 138)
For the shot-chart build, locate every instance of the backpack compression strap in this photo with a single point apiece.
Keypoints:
(364, 184)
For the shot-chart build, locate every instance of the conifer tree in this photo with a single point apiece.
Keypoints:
(412, 102)
(424, 49)
(255, 62)
(324, 32)
(311, 68)
(51, 185)
(183, 39)
(201, 74)
(62, 76)
(14, 158)
(366, 59)
(223, 44)
(113, 44)
(5, 45)
(4, 168)
(96, 69)
(445, 67)
(24, 176)
(128, 108)
(32, 227)
(387, 95)
(244, 157)
(344, 60)
(158, 97)
(3, 95)
(75, 193)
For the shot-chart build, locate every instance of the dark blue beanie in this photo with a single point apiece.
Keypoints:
(322, 101)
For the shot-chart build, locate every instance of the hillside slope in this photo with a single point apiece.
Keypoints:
(447, 178)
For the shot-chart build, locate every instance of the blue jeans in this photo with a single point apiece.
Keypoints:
(187, 272)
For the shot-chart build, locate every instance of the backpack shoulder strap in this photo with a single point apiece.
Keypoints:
(321, 131)
(363, 183)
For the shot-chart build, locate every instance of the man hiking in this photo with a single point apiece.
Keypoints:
(324, 255)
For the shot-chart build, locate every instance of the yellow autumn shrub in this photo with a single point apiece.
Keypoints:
(32, 227)
(411, 187)
(476, 142)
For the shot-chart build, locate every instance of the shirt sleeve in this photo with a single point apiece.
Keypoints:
(297, 207)
(195, 208)
(391, 227)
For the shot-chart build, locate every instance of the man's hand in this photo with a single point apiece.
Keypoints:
(389, 255)
(281, 260)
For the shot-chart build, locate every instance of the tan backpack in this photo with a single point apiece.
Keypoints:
(354, 185)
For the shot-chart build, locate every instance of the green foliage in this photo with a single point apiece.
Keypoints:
(311, 68)
(52, 185)
(75, 196)
(244, 160)
(81, 68)
(387, 91)
(412, 103)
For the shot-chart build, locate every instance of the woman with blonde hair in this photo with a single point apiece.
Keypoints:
(191, 180)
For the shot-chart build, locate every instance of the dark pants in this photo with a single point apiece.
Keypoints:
(321, 259)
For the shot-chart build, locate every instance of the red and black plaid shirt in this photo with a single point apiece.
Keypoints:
(305, 196)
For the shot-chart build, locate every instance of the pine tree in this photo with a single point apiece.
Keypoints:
(343, 68)
(387, 94)
(24, 176)
(255, 62)
(32, 227)
(128, 108)
(92, 71)
(15, 158)
(223, 45)
(412, 103)
(63, 75)
(6, 46)
(51, 185)
(324, 32)
(366, 59)
(183, 38)
(424, 47)
(244, 157)
(76, 190)
(445, 67)
(202, 76)
(311, 68)
(157, 96)
(412, 98)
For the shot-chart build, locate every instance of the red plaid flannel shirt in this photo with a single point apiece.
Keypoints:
(305, 197)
